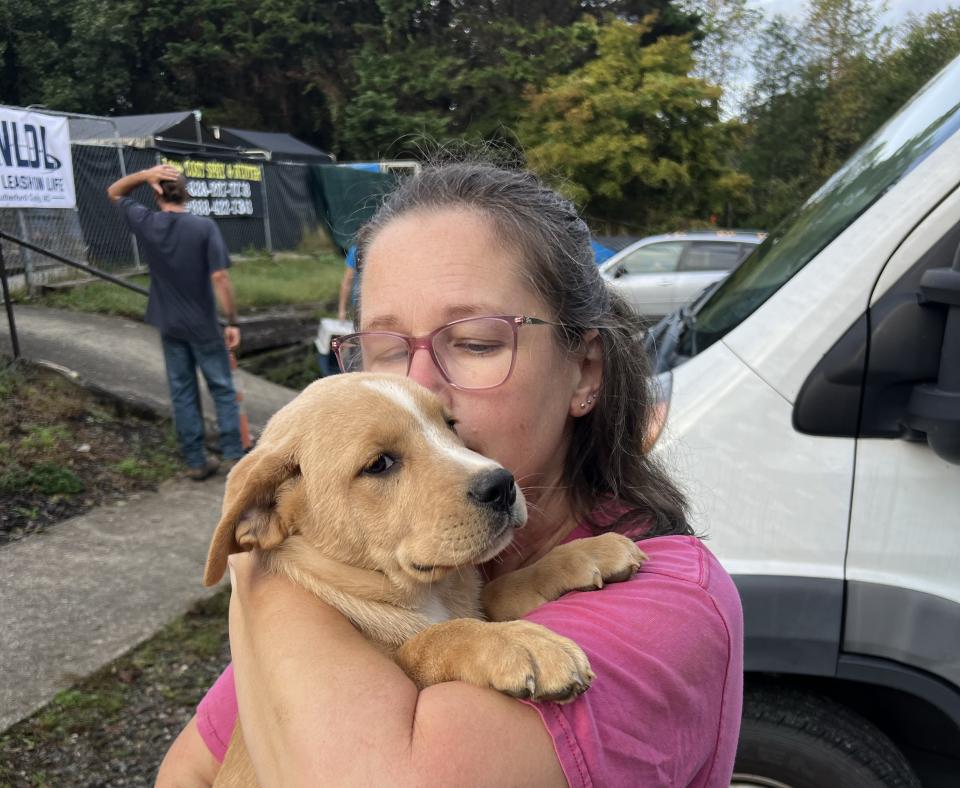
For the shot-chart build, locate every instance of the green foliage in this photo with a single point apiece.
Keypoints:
(822, 87)
(45, 477)
(631, 136)
(352, 76)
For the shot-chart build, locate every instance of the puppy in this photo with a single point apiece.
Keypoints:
(360, 491)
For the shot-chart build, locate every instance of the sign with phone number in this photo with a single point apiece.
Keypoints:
(221, 189)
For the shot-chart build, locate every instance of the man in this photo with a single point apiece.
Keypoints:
(188, 261)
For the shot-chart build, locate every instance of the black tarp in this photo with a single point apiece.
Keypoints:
(290, 204)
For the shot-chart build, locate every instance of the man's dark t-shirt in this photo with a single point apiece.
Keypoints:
(182, 251)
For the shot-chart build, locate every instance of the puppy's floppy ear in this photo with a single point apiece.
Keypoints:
(250, 518)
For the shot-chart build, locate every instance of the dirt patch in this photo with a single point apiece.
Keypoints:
(65, 450)
(114, 727)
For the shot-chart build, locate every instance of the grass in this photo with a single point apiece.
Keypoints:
(259, 283)
(155, 467)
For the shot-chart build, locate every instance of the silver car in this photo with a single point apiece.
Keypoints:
(663, 272)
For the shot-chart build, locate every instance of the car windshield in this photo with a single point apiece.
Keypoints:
(908, 138)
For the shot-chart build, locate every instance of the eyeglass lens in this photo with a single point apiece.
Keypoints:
(474, 353)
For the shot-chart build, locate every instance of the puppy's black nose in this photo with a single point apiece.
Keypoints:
(494, 489)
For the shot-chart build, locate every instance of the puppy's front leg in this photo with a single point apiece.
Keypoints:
(581, 565)
(518, 658)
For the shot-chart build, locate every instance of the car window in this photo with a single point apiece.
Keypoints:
(661, 258)
(711, 256)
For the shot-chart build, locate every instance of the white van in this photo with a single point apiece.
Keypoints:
(813, 415)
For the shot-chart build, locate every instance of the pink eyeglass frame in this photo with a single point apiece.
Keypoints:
(425, 342)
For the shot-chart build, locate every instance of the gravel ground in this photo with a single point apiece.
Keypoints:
(114, 727)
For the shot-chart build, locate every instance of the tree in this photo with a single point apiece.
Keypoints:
(722, 56)
(631, 136)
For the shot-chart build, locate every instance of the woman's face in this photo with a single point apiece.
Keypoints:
(426, 269)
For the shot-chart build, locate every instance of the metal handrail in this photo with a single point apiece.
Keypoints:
(60, 258)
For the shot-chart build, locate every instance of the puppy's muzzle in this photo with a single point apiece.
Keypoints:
(494, 490)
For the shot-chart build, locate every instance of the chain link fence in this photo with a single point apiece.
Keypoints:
(257, 204)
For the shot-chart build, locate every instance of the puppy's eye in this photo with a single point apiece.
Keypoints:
(451, 423)
(382, 463)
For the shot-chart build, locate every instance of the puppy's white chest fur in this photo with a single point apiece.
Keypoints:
(435, 610)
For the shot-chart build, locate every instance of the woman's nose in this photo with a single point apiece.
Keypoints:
(425, 372)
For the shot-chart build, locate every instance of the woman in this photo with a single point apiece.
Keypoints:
(321, 706)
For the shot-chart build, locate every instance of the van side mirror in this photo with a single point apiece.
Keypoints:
(895, 372)
(619, 271)
(934, 408)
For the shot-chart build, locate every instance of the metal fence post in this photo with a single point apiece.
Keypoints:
(25, 255)
(6, 300)
(123, 174)
(266, 209)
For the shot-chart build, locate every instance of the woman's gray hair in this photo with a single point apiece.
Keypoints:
(605, 462)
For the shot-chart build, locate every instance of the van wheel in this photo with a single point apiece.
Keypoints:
(795, 739)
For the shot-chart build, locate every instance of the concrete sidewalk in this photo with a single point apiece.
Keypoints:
(76, 597)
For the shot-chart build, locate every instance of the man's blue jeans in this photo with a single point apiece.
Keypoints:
(182, 359)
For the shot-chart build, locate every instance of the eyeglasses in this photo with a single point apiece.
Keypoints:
(472, 354)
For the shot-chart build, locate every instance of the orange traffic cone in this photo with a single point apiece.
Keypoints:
(238, 387)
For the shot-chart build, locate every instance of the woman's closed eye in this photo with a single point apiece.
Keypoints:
(477, 347)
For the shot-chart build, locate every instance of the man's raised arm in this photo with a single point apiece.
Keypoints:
(154, 176)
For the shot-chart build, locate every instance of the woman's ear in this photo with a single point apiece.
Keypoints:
(590, 374)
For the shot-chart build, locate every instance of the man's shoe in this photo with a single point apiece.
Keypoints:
(201, 472)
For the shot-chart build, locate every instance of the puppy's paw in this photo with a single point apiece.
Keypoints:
(581, 565)
(587, 564)
(527, 660)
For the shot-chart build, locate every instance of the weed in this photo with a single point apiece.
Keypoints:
(76, 710)
(155, 467)
(52, 479)
(40, 438)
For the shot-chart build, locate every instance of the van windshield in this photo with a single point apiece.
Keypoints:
(911, 135)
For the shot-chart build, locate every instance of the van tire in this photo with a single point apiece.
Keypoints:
(798, 739)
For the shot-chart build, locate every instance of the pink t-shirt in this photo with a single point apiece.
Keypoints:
(667, 651)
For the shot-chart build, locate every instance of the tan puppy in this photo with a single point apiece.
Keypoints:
(360, 491)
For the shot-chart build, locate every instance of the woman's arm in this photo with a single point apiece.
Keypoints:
(188, 763)
(320, 705)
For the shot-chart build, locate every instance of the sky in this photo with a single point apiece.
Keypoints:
(897, 9)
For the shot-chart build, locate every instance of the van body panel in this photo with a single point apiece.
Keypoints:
(791, 624)
(786, 336)
(937, 224)
(727, 429)
(905, 519)
(907, 626)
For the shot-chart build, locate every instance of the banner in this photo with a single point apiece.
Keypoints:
(222, 189)
(36, 170)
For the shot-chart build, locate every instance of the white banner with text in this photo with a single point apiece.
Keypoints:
(36, 169)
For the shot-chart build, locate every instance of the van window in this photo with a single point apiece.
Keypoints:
(911, 135)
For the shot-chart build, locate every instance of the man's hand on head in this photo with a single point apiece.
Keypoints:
(157, 175)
